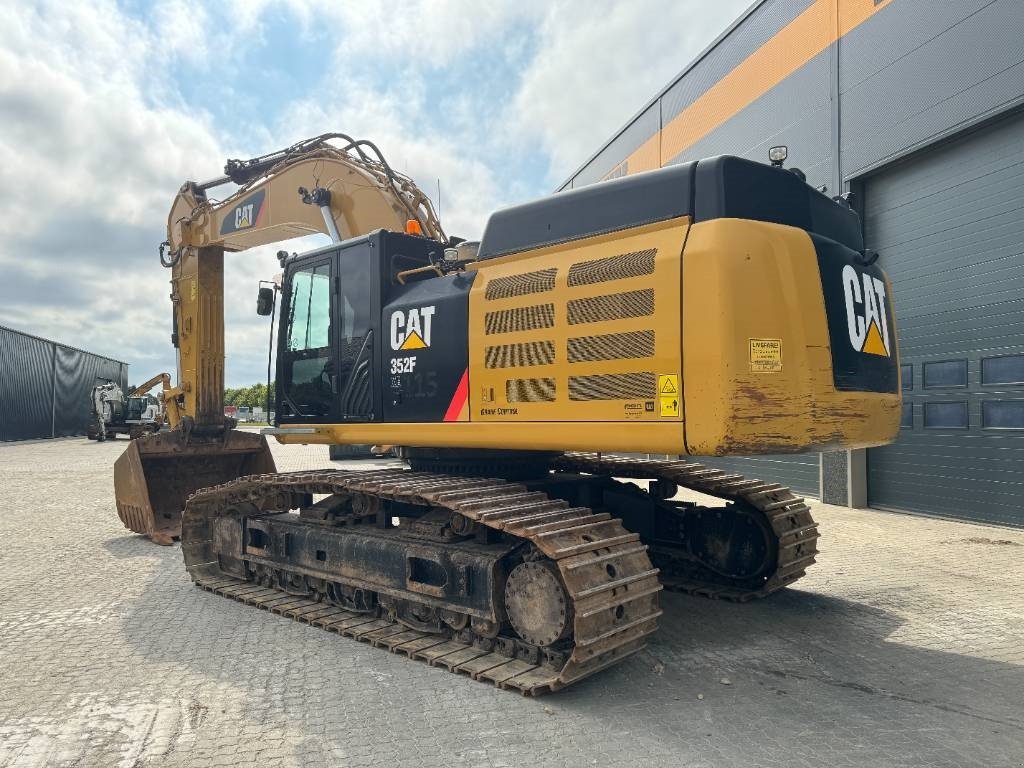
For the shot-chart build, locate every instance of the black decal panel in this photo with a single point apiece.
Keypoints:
(246, 214)
(860, 320)
(425, 326)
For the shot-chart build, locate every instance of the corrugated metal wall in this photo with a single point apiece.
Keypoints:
(26, 386)
(45, 386)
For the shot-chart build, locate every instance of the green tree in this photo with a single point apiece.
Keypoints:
(254, 396)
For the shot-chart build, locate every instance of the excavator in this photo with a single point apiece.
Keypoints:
(712, 308)
(133, 414)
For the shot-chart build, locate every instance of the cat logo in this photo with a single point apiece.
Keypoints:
(411, 329)
(866, 319)
(243, 216)
(247, 214)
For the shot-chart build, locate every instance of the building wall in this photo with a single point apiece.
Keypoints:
(45, 387)
(849, 86)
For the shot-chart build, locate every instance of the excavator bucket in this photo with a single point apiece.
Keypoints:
(156, 474)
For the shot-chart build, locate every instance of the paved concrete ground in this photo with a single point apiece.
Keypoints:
(903, 647)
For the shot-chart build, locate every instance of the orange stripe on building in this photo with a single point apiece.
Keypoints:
(810, 33)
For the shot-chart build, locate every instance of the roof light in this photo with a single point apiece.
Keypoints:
(778, 155)
(413, 227)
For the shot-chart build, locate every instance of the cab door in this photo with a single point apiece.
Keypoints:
(358, 301)
(308, 350)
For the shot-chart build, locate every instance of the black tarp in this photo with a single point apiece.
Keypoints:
(45, 387)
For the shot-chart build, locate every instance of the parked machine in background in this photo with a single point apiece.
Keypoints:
(136, 414)
(108, 412)
(717, 307)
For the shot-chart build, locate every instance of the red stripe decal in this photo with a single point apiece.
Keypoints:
(458, 399)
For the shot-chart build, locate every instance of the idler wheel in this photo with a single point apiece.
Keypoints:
(537, 605)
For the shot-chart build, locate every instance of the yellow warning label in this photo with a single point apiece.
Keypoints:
(766, 355)
(668, 394)
(413, 341)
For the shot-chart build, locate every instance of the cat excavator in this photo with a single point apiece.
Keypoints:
(713, 308)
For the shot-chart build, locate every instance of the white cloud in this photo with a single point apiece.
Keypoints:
(469, 188)
(183, 28)
(600, 62)
(96, 135)
(88, 165)
(428, 33)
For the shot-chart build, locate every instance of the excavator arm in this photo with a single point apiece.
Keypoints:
(310, 187)
(343, 189)
(170, 395)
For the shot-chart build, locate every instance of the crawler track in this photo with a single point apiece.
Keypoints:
(787, 514)
(605, 569)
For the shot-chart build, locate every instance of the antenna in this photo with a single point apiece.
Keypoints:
(439, 197)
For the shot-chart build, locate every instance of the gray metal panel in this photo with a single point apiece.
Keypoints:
(756, 29)
(800, 472)
(26, 386)
(920, 69)
(796, 113)
(645, 125)
(949, 224)
(748, 33)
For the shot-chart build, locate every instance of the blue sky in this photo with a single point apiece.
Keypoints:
(107, 107)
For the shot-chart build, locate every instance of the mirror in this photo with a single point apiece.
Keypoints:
(265, 301)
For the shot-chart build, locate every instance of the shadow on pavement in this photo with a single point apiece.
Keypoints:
(719, 681)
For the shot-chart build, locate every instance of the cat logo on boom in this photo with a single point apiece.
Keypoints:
(866, 319)
(410, 329)
(246, 214)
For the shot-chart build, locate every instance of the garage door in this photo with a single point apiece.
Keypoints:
(949, 224)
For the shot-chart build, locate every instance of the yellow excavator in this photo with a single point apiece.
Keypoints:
(717, 307)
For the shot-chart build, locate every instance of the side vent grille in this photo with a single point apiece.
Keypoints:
(612, 268)
(530, 390)
(520, 355)
(520, 285)
(530, 318)
(614, 386)
(612, 346)
(613, 306)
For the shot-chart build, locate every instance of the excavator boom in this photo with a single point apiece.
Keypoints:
(342, 189)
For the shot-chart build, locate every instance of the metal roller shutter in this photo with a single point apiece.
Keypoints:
(949, 224)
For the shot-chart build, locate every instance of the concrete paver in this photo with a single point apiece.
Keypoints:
(904, 646)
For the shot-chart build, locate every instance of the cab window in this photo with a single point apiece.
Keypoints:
(310, 309)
